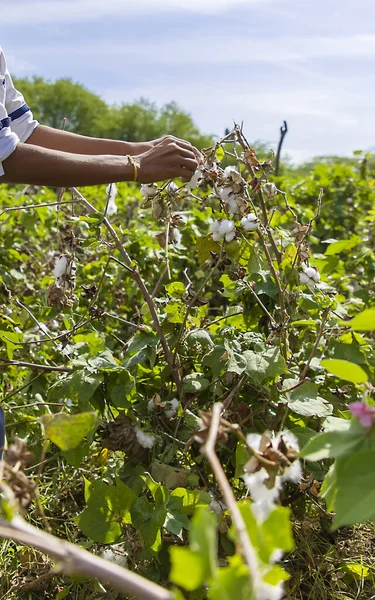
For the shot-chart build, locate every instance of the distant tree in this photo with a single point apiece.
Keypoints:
(85, 112)
(88, 114)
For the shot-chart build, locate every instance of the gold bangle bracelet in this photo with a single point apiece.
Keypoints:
(134, 163)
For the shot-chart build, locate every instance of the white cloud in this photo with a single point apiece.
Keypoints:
(73, 11)
(291, 52)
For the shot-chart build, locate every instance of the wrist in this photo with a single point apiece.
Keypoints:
(136, 148)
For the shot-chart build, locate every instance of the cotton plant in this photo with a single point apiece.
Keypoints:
(264, 482)
(263, 488)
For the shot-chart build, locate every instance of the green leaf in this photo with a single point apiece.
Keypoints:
(203, 539)
(83, 386)
(191, 499)
(188, 569)
(264, 365)
(305, 400)
(343, 245)
(343, 369)
(67, 431)
(107, 508)
(195, 383)
(334, 444)
(355, 498)
(148, 520)
(199, 336)
(364, 321)
(219, 154)
(176, 289)
(231, 582)
(206, 245)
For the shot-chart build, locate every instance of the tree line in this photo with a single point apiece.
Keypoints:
(87, 114)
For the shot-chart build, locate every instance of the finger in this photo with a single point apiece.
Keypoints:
(188, 163)
(184, 152)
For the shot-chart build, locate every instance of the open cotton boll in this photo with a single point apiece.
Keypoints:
(214, 226)
(171, 188)
(195, 180)
(60, 269)
(144, 439)
(250, 222)
(232, 206)
(225, 194)
(149, 190)
(312, 273)
(232, 173)
(230, 236)
(176, 235)
(270, 189)
(265, 591)
(172, 408)
(310, 276)
(112, 192)
(226, 226)
(216, 236)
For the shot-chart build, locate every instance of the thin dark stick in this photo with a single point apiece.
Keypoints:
(283, 132)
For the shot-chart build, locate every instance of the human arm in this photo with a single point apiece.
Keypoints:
(56, 139)
(34, 165)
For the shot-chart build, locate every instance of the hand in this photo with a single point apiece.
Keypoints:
(179, 141)
(167, 159)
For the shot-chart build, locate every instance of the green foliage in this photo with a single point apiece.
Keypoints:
(121, 439)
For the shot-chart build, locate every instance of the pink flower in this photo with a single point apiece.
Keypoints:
(365, 414)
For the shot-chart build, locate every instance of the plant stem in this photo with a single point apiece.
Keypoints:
(76, 561)
(145, 293)
(208, 450)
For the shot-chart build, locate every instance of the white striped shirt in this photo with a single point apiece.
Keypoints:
(16, 120)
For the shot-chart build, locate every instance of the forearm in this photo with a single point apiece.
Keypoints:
(55, 139)
(30, 164)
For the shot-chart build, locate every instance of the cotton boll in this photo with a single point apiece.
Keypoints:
(250, 222)
(264, 499)
(225, 194)
(144, 439)
(43, 327)
(214, 226)
(195, 180)
(112, 192)
(171, 188)
(289, 439)
(216, 236)
(305, 279)
(253, 440)
(293, 473)
(226, 226)
(215, 506)
(264, 591)
(60, 268)
(172, 408)
(233, 174)
(115, 558)
(232, 206)
(270, 189)
(176, 235)
(230, 236)
(310, 272)
(151, 405)
(149, 190)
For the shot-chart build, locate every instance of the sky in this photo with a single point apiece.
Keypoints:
(252, 61)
